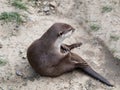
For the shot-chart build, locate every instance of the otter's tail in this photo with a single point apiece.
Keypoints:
(97, 76)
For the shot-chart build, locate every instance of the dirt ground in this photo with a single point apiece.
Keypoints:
(99, 46)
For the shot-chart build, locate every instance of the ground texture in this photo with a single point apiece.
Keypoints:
(97, 28)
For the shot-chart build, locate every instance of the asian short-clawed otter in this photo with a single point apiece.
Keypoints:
(49, 57)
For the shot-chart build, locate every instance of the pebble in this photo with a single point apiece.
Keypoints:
(46, 9)
(45, 3)
(23, 57)
(53, 4)
(18, 73)
(38, 3)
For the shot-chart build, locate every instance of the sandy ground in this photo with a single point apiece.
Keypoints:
(17, 74)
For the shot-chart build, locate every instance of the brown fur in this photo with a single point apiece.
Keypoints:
(49, 57)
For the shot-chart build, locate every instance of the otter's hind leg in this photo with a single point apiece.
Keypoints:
(63, 66)
(59, 70)
(68, 63)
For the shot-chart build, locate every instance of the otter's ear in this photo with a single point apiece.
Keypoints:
(60, 33)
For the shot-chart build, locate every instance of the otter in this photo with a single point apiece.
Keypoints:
(49, 57)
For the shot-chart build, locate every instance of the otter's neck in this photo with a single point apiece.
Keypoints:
(58, 43)
(48, 39)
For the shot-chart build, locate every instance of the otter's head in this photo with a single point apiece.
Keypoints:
(57, 33)
(60, 31)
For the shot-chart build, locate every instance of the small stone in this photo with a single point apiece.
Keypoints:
(53, 11)
(21, 52)
(45, 3)
(23, 57)
(17, 26)
(53, 4)
(52, 8)
(47, 13)
(18, 73)
(39, 11)
(46, 9)
(38, 3)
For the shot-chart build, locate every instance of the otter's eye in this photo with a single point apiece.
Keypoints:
(60, 33)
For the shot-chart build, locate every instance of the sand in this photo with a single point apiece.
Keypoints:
(97, 48)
